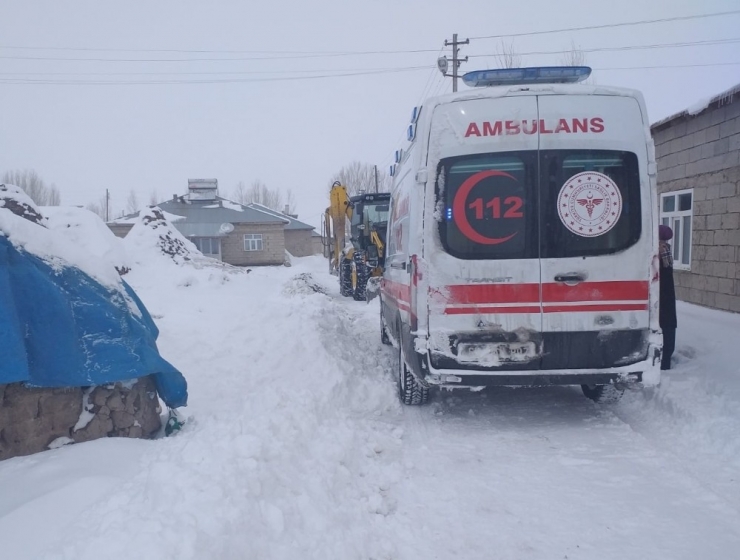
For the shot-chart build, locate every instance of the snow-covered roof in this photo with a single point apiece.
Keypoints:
(293, 222)
(183, 211)
(724, 98)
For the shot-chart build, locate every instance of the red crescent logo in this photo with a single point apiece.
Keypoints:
(458, 208)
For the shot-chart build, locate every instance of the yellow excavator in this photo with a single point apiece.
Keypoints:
(362, 259)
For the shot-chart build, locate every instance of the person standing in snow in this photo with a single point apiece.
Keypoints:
(668, 319)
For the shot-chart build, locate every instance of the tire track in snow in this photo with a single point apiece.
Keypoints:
(468, 447)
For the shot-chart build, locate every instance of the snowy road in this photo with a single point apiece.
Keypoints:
(296, 447)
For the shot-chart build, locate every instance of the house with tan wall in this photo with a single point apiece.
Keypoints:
(698, 157)
(233, 233)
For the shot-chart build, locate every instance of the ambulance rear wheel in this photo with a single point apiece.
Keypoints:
(410, 391)
(602, 394)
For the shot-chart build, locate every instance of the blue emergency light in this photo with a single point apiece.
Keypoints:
(533, 75)
(411, 132)
(415, 115)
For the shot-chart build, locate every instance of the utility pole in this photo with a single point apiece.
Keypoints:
(456, 60)
(376, 179)
(107, 205)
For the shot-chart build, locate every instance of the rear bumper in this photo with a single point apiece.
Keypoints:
(646, 372)
(533, 379)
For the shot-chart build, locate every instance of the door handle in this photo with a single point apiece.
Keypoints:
(401, 265)
(570, 278)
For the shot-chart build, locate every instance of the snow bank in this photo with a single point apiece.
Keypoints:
(695, 412)
(56, 244)
(86, 230)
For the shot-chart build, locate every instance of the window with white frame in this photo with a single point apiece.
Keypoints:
(209, 246)
(252, 241)
(676, 212)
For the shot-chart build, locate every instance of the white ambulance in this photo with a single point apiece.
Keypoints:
(522, 241)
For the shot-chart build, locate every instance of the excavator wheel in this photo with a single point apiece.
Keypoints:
(345, 277)
(363, 275)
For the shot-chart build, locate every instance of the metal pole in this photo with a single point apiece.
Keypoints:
(454, 62)
(456, 58)
(376, 178)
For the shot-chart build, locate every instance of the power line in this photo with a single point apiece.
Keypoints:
(222, 81)
(709, 42)
(609, 25)
(429, 82)
(211, 59)
(684, 44)
(666, 66)
(287, 54)
(27, 81)
(212, 73)
(211, 51)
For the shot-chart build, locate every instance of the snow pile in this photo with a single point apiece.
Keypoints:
(19, 203)
(154, 237)
(58, 246)
(86, 230)
(303, 284)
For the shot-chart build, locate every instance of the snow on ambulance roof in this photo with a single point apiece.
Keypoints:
(22, 222)
(534, 89)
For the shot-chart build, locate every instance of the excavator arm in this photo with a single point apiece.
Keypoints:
(335, 223)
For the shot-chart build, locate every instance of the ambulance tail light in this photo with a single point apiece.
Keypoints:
(523, 76)
(413, 303)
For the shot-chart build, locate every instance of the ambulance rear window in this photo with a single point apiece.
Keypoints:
(590, 201)
(547, 204)
(489, 205)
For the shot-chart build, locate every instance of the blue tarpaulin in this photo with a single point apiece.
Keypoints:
(61, 328)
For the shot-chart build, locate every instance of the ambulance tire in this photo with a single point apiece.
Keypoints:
(363, 275)
(410, 391)
(602, 394)
(345, 277)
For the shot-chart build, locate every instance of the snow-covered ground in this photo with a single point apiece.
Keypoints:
(296, 447)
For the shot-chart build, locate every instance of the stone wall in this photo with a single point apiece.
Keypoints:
(318, 246)
(703, 153)
(34, 419)
(273, 245)
(298, 242)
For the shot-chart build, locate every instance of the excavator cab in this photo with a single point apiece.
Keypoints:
(368, 226)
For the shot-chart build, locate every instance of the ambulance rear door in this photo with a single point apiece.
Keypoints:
(596, 241)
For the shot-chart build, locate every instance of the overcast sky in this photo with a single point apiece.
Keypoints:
(294, 134)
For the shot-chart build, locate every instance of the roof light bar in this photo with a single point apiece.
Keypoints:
(533, 75)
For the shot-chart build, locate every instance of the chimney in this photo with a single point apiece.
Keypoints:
(287, 210)
(174, 198)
